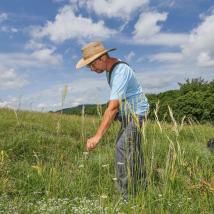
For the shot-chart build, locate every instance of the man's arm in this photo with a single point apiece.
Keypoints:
(108, 117)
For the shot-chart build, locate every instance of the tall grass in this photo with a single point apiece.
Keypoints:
(44, 169)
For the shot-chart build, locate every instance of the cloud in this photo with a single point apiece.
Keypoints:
(9, 79)
(153, 81)
(11, 102)
(166, 77)
(147, 26)
(69, 26)
(116, 8)
(4, 104)
(3, 17)
(130, 56)
(148, 31)
(197, 49)
(166, 57)
(47, 56)
(7, 29)
(165, 3)
(204, 60)
(34, 45)
(39, 58)
(165, 39)
(200, 46)
(83, 90)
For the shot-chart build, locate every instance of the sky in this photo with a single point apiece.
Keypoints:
(164, 41)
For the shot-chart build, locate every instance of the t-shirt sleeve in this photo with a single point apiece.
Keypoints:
(120, 83)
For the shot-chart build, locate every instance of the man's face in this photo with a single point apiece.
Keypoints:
(97, 65)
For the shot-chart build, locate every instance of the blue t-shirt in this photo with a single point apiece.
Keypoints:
(125, 88)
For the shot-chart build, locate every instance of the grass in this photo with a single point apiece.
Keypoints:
(44, 169)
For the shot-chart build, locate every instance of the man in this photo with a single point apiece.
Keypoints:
(127, 99)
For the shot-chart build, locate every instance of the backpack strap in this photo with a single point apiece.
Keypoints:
(112, 68)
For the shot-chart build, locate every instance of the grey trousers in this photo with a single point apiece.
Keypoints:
(130, 169)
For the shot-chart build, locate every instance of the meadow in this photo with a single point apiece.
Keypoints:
(44, 167)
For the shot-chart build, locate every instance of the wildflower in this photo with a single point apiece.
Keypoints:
(105, 165)
(104, 196)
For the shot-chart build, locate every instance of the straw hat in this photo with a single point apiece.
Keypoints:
(90, 52)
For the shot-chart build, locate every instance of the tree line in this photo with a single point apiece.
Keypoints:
(194, 99)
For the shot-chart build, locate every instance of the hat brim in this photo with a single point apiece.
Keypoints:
(83, 62)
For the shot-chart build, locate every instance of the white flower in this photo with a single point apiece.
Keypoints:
(104, 196)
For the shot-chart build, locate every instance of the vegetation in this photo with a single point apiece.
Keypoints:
(44, 168)
(194, 99)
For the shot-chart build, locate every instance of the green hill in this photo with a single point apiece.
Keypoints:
(89, 109)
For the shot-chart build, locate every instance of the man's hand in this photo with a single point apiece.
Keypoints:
(108, 117)
(92, 143)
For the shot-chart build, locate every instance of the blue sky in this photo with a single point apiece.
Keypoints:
(165, 41)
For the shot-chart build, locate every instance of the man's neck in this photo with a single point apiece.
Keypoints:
(110, 62)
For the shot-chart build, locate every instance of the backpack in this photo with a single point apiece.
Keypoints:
(117, 116)
(112, 68)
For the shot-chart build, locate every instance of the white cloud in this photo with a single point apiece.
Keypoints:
(130, 56)
(165, 3)
(166, 77)
(3, 17)
(166, 57)
(34, 45)
(69, 26)
(47, 56)
(41, 105)
(116, 8)
(9, 79)
(83, 90)
(166, 39)
(4, 104)
(197, 49)
(7, 29)
(205, 60)
(153, 81)
(200, 46)
(11, 102)
(148, 31)
(38, 59)
(162, 39)
(147, 26)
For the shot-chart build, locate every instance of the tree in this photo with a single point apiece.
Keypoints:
(197, 84)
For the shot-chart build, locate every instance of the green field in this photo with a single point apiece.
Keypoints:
(44, 169)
